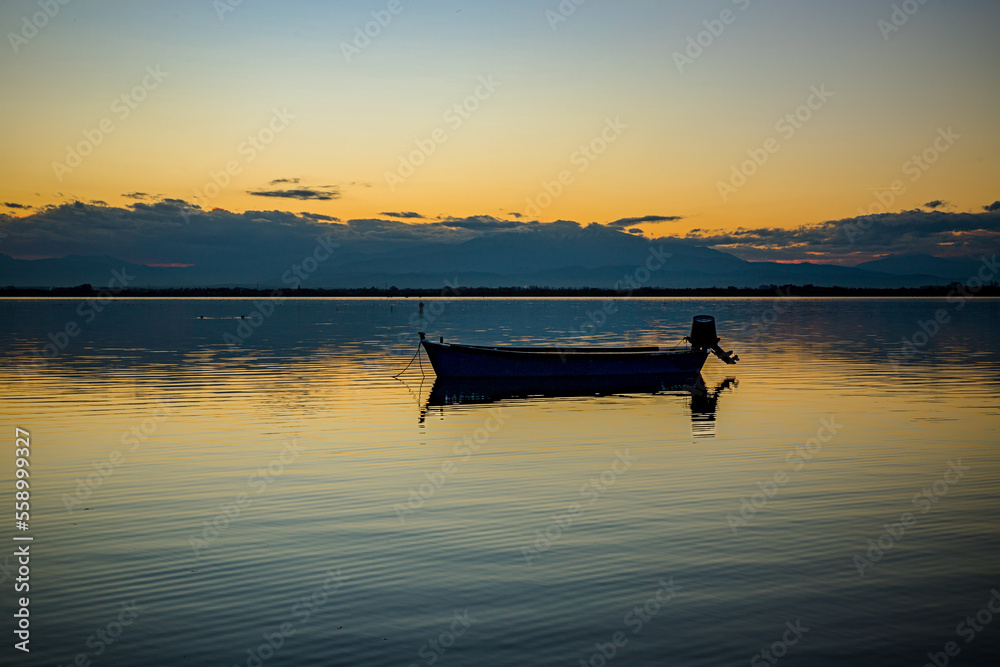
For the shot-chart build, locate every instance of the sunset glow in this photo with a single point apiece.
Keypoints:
(725, 114)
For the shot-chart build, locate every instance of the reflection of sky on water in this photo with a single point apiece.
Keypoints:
(317, 375)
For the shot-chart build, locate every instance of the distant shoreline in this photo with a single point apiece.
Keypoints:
(771, 291)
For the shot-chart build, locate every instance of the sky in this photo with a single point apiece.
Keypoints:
(693, 119)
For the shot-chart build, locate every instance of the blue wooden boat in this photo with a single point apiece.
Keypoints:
(451, 360)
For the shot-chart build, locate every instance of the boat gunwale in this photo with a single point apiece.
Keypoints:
(564, 352)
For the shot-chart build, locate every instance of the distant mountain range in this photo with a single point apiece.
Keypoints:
(587, 258)
(901, 265)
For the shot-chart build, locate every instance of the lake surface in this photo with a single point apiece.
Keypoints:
(204, 497)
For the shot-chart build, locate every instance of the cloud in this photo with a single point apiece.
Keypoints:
(278, 181)
(320, 216)
(404, 214)
(174, 231)
(163, 207)
(857, 239)
(158, 232)
(138, 195)
(319, 192)
(629, 222)
(14, 205)
(995, 206)
(480, 222)
(937, 203)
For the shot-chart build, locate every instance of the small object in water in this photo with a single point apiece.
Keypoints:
(498, 361)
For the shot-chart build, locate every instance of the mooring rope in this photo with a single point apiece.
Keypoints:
(680, 343)
(416, 355)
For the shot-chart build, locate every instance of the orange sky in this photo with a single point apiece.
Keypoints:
(791, 114)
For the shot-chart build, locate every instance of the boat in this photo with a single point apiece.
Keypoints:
(447, 392)
(452, 360)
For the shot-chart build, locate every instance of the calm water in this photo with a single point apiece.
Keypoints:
(288, 490)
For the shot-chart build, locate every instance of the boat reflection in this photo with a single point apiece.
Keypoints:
(704, 401)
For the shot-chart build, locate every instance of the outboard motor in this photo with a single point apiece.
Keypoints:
(703, 337)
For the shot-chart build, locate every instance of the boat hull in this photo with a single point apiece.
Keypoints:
(466, 361)
(462, 391)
